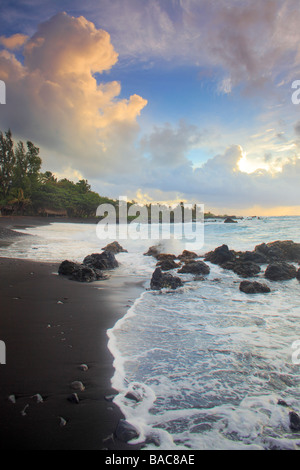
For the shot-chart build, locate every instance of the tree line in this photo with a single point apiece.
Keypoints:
(26, 190)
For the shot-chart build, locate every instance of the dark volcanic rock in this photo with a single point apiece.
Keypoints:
(67, 268)
(125, 432)
(243, 269)
(294, 421)
(254, 288)
(115, 248)
(153, 251)
(79, 272)
(229, 220)
(220, 255)
(185, 255)
(86, 274)
(298, 275)
(280, 272)
(105, 260)
(167, 265)
(164, 280)
(254, 257)
(165, 257)
(280, 251)
(195, 267)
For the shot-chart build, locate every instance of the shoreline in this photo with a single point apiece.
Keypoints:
(51, 326)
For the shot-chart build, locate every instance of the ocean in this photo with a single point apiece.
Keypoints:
(207, 362)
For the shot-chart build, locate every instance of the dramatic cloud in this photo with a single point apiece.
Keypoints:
(55, 100)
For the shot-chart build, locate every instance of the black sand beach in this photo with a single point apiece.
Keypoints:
(51, 326)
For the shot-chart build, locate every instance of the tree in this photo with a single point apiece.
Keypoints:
(20, 202)
(7, 163)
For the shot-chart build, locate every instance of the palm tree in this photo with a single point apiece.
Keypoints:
(20, 202)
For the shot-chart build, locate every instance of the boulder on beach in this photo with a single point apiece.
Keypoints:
(125, 432)
(79, 272)
(229, 220)
(254, 288)
(220, 255)
(105, 260)
(115, 248)
(167, 265)
(67, 268)
(298, 274)
(195, 267)
(280, 271)
(162, 280)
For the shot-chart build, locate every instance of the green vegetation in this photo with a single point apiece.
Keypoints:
(25, 190)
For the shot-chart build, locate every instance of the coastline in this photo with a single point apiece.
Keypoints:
(51, 326)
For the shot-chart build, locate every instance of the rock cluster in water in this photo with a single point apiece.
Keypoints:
(277, 255)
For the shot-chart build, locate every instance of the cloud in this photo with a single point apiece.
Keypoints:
(55, 100)
(15, 41)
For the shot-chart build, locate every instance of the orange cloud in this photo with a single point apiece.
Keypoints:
(55, 99)
(13, 42)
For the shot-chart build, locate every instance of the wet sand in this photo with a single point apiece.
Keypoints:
(51, 326)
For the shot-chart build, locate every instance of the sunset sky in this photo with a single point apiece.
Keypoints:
(160, 100)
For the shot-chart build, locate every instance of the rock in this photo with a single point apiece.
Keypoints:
(167, 265)
(165, 257)
(86, 274)
(220, 255)
(62, 422)
(134, 396)
(79, 272)
(229, 220)
(164, 281)
(12, 399)
(115, 248)
(243, 269)
(102, 261)
(294, 421)
(67, 268)
(74, 399)
(78, 386)
(188, 255)
(282, 403)
(280, 251)
(38, 398)
(195, 267)
(254, 257)
(298, 275)
(153, 251)
(280, 271)
(125, 432)
(254, 288)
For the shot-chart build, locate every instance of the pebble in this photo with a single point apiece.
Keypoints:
(74, 398)
(12, 399)
(38, 398)
(78, 386)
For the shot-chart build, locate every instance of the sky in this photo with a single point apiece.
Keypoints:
(160, 100)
